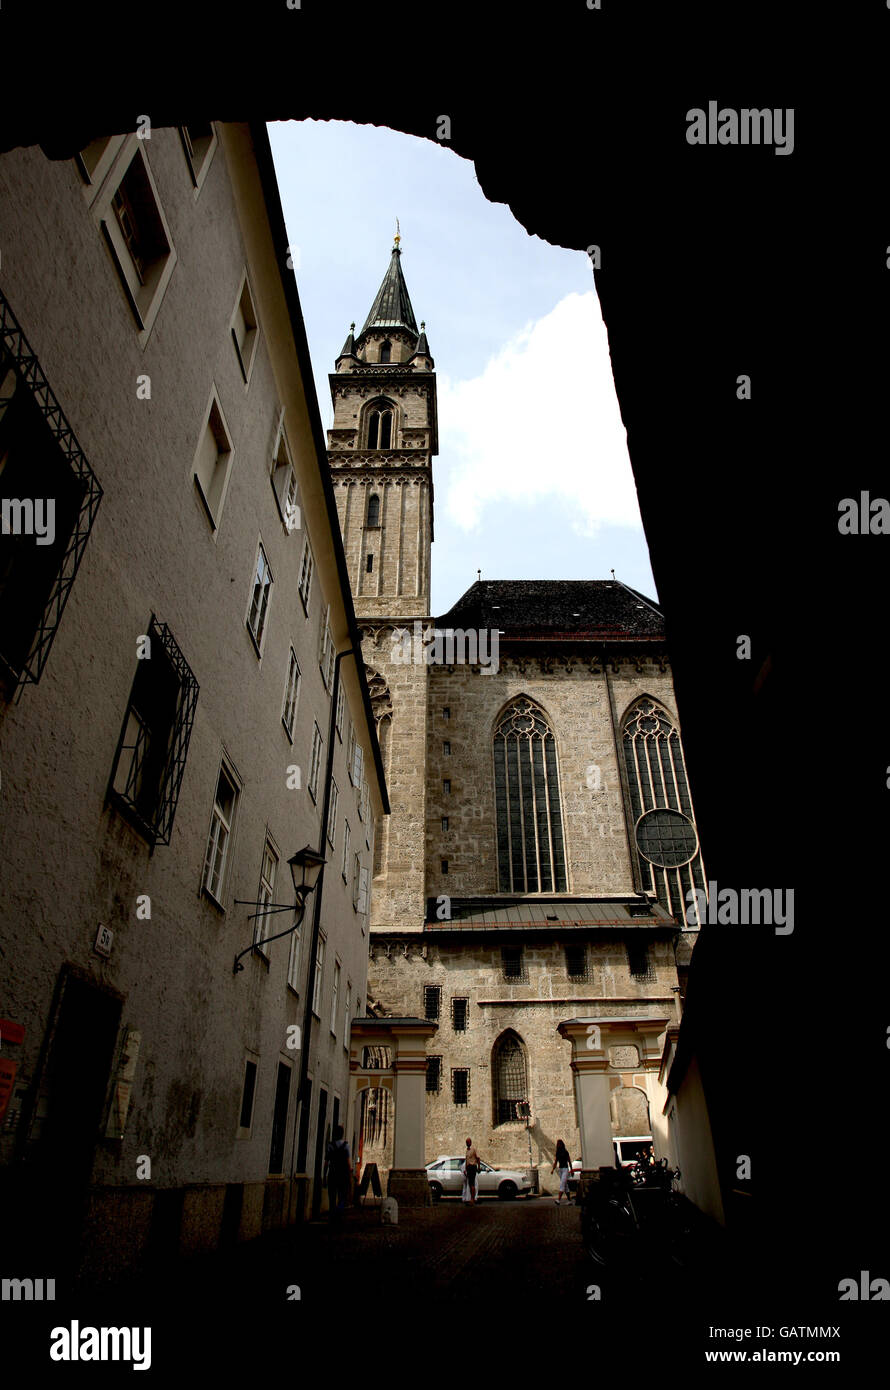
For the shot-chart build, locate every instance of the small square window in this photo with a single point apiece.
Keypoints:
(244, 330)
(213, 462)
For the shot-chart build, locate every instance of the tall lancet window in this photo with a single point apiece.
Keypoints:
(509, 1075)
(661, 807)
(373, 510)
(531, 854)
(380, 427)
(385, 352)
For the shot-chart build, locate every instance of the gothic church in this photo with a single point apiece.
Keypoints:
(529, 885)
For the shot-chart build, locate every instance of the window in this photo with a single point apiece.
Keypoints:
(198, 142)
(338, 719)
(221, 823)
(356, 879)
(446, 786)
(432, 1000)
(380, 428)
(42, 539)
(266, 895)
(668, 852)
(460, 1014)
(244, 330)
(151, 752)
(332, 813)
(444, 864)
(95, 159)
(509, 1077)
(446, 749)
(446, 712)
(460, 1086)
(512, 965)
(364, 884)
(291, 694)
(369, 564)
(576, 961)
(356, 759)
(335, 997)
(344, 868)
(314, 762)
(531, 857)
(248, 1092)
(305, 582)
(319, 971)
(385, 351)
(212, 467)
(638, 961)
(326, 652)
(128, 213)
(444, 822)
(284, 480)
(373, 515)
(259, 601)
(347, 1013)
(293, 960)
(433, 1073)
(363, 801)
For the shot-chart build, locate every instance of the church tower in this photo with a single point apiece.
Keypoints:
(380, 451)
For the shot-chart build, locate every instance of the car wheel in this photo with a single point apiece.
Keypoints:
(507, 1191)
(435, 1191)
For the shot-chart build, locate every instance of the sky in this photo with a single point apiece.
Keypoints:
(532, 479)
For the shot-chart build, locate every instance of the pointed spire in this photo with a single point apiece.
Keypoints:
(348, 349)
(423, 348)
(392, 307)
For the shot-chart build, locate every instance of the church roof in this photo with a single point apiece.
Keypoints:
(582, 609)
(556, 914)
(392, 307)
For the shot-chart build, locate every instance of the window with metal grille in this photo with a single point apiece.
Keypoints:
(531, 853)
(638, 961)
(576, 961)
(433, 1073)
(668, 853)
(460, 1009)
(512, 966)
(460, 1086)
(50, 500)
(509, 1077)
(432, 1001)
(153, 744)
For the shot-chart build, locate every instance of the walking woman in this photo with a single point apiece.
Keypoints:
(565, 1167)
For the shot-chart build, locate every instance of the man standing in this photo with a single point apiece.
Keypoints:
(339, 1166)
(471, 1168)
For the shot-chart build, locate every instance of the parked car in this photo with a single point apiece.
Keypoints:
(446, 1179)
(628, 1150)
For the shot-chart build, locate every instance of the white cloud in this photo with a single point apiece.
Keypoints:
(542, 421)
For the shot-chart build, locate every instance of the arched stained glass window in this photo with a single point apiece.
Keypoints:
(373, 510)
(531, 853)
(509, 1074)
(661, 807)
(380, 427)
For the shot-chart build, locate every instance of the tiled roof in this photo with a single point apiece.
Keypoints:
(581, 609)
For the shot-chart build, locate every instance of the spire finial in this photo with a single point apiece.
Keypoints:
(478, 575)
(613, 574)
(398, 234)
(352, 328)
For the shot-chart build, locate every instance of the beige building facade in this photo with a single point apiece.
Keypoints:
(532, 877)
(174, 720)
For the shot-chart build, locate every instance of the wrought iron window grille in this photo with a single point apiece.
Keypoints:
(513, 967)
(460, 1086)
(154, 816)
(577, 965)
(432, 1001)
(460, 1015)
(433, 1073)
(15, 351)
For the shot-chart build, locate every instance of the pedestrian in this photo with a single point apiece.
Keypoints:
(338, 1165)
(471, 1169)
(565, 1167)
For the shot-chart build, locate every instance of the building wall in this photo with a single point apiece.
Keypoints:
(72, 861)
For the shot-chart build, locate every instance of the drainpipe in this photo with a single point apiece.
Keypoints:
(306, 1036)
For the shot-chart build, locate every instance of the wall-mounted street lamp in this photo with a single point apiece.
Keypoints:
(305, 867)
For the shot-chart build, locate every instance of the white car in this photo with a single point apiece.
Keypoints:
(627, 1151)
(446, 1179)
